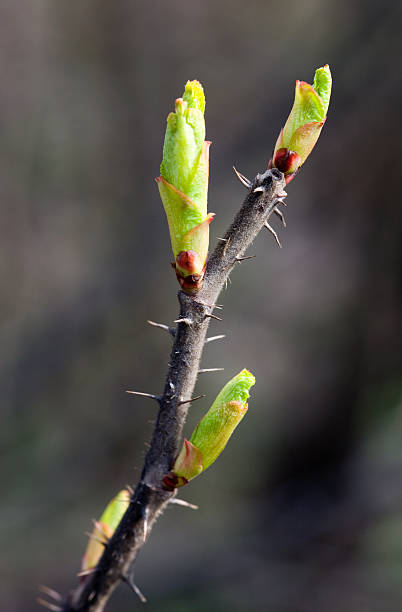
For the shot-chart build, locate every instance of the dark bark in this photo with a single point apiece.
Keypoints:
(150, 498)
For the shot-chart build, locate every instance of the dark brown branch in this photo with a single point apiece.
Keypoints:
(150, 498)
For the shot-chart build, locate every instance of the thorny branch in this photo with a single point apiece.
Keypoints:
(150, 498)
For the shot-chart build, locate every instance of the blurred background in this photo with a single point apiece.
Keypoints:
(303, 511)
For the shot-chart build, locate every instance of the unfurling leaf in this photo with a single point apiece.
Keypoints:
(183, 186)
(104, 529)
(213, 431)
(304, 124)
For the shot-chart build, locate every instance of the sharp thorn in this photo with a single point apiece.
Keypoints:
(50, 592)
(86, 572)
(280, 214)
(222, 239)
(185, 320)
(170, 330)
(130, 489)
(193, 399)
(212, 316)
(212, 338)
(48, 605)
(151, 395)
(226, 246)
(182, 502)
(280, 201)
(243, 179)
(283, 194)
(240, 259)
(273, 232)
(145, 524)
(134, 588)
(257, 189)
(227, 281)
(217, 306)
(205, 370)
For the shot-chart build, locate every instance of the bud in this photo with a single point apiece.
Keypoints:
(212, 432)
(104, 529)
(183, 186)
(304, 124)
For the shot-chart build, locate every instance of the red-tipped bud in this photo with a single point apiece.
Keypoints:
(304, 124)
(286, 161)
(189, 262)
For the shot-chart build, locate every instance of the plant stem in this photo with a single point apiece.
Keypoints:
(150, 498)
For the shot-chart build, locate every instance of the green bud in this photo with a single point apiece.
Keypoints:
(304, 124)
(183, 186)
(213, 431)
(104, 529)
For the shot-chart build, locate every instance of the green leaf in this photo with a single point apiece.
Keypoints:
(304, 124)
(213, 431)
(104, 529)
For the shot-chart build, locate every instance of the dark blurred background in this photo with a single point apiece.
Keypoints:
(303, 511)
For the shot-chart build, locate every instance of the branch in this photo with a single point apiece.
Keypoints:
(150, 497)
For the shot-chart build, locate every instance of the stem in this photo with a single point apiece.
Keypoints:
(150, 498)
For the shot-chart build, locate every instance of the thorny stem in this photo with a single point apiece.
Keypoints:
(150, 498)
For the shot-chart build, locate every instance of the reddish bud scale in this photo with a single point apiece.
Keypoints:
(187, 266)
(171, 481)
(188, 262)
(286, 161)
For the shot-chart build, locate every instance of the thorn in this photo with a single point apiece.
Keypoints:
(227, 280)
(86, 572)
(48, 605)
(151, 395)
(205, 370)
(226, 246)
(283, 194)
(170, 330)
(273, 232)
(243, 179)
(145, 524)
(257, 189)
(182, 502)
(280, 201)
(130, 489)
(212, 316)
(280, 214)
(92, 536)
(134, 588)
(212, 338)
(51, 592)
(217, 306)
(186, 321)
(193, 399)
(240, 259)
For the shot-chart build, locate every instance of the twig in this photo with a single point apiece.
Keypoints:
(150, 498)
